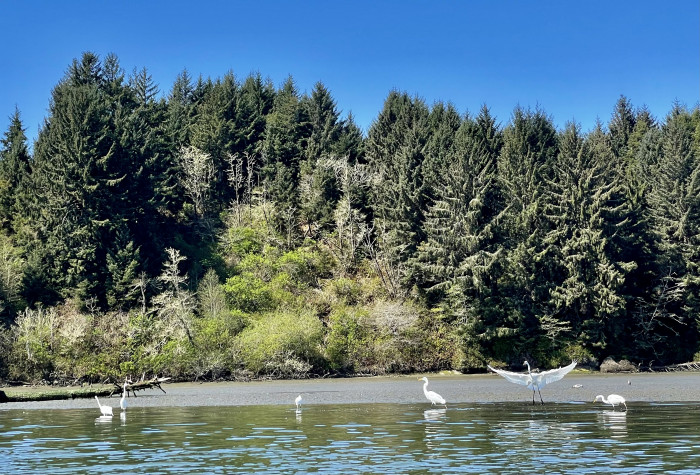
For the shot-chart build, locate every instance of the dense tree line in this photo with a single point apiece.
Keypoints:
(230, 209)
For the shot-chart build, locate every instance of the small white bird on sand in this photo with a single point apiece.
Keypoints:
(613, 400)
(432, 396)
(298, 401)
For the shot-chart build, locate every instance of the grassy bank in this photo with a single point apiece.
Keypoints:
(46, 393)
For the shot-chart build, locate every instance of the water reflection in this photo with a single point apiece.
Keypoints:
(434, 429)
(103, 419)
(615, 422)
(388, 438)
(433, 415)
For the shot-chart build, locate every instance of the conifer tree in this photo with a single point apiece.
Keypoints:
(674, 199)
(152, 185)
(621, 126)
(15, 167)
(395, 153)
(214, 131)
(525, 163)
(455, 261)
(285, 139)
(443, 122)
(583, 202)
(319, 190)
(181, 110)
(350, 144)
(93, 175)
(255, 104)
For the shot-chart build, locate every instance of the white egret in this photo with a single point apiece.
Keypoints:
(432, 396)
(105, 410)
(535, 380)
(122, 401)
(297, 401)
(613, 400)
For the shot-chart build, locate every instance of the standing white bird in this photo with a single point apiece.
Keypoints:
(535, 380)
(297, 401)
(613, 400)
(122, 401)
(432, 396)
(105, 410)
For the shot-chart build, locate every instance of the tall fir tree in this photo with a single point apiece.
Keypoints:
(15, 167)
(395, 152)
(320, 191)
(95, 205)
(583, 203)
(621, 126)
(443, 122)
(674, 199)
(286, 136)
(458, 261)
(526, 161)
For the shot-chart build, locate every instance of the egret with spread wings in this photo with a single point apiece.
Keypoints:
(535, 380)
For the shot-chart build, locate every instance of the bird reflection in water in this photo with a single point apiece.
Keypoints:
(434, 427)
(103, 419)
(615, 421)
(528, 433)
(434, 415)
(122, 417)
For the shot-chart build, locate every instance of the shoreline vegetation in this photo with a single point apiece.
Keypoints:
(23, 392)
(231, 229)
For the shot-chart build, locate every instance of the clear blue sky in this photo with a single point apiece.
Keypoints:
(573, 59)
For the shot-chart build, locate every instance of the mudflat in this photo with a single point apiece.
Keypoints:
(456, 389)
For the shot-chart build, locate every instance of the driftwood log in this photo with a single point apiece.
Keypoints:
(690, 366)
(140, 385)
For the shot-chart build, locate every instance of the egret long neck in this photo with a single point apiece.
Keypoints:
(425, 388)
(528, 366)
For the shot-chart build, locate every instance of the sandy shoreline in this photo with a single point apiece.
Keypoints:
(456, 389)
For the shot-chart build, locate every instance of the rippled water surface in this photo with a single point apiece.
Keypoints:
(376, 438)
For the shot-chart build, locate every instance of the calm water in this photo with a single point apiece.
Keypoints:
(355, 438)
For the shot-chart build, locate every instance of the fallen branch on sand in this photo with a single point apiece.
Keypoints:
(690, 366)
(141, 385)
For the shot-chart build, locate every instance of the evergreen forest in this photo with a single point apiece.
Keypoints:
(231, 228)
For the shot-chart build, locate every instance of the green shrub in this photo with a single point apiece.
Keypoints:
(349, 342)
(248, 293)
(282, 343)
(306, 266)
(243, 240)
(346, 290)
(35, 339)
(429, 344)
(261, 266)
(214, 342)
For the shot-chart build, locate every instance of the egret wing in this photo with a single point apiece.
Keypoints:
(552, 375)
(517, 378)
(433, 396)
